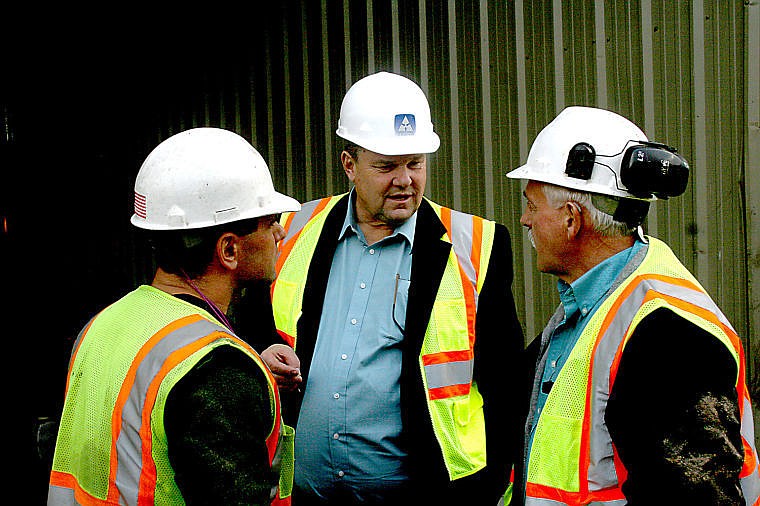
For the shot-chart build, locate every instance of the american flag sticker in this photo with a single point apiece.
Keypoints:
(140, 205)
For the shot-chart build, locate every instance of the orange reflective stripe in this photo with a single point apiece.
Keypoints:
(565, 497)
(74, 355)
(65, 480)
(287, 337)
(467, 285)
(477, 243)
(288, 221)
(707, 315)
(447, 356)
(285, 249)
(750, 463)
(446, 220)
(622, 298)
(449, 391)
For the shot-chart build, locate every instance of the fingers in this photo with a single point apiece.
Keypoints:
(285, 366)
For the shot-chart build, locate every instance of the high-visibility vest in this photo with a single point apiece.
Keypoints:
(446, 359)
(572, 459)
(111, 447)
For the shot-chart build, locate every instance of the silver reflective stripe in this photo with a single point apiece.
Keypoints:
(75, 347)
(60, 496)
(750, 484)
(601, 471)
(448, 374)
(128, 444)
(461, 238)
(300, 219)
(751, 488)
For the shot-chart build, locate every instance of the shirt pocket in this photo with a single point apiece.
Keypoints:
(398, 310)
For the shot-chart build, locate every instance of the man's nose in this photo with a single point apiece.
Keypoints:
(403, 177)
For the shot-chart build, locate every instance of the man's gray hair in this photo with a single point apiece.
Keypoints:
(604, 223)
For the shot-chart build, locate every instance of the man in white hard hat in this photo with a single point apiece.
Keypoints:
(402, 316)
(164, 403)
(638, 394)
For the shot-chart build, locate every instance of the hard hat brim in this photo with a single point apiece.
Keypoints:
(277, 203)
(395, 146)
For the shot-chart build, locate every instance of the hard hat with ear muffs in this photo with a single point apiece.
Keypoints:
(598, 151)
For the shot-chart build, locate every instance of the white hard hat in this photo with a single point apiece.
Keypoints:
(388, 114)
(204, 177)
(578, 135)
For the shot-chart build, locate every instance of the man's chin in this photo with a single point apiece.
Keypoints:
(400, 214)
(396, 219)
(258, 282)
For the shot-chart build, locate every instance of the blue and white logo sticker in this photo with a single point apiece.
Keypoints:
(405, 124)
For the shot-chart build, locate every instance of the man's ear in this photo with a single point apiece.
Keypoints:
(573, 219)
(227, 249)
(349, 165)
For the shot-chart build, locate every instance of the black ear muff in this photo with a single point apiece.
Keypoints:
(651, 170)
(580, 161)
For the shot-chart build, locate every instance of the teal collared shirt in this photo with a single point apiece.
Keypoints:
(579, 300)
(350, 420)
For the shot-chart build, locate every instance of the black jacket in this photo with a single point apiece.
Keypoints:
(673, 415)
(498, 348)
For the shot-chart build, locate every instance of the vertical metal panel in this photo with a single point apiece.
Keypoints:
(559, 57)
(600, 45)
(453, 94)
(700, 174)
(485, 91)
(525, 291)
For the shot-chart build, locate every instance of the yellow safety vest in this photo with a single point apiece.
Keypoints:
(111, 446)
(446, 359)
(572, 460)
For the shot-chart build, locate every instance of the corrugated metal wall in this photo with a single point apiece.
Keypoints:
(496, 73)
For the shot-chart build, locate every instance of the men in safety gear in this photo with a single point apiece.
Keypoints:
(639, 393)
(164, 403)
(401, 314)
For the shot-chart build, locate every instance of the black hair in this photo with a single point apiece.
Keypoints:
(191, 251)
(352, 149)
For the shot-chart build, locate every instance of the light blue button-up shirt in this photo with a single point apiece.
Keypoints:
(579, 300)
(350, 420)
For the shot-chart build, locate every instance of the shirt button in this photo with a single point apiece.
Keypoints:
(362, 285)
(336, 395)
(341, 473)
(554, 363)
(344, 356)
(584, 311)
(336, 436)
(371, 251)
(353, 321)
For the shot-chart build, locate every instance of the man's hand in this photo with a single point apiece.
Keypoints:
(285, 366)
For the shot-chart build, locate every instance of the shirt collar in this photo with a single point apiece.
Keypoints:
(586, 291)
(351, 226)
